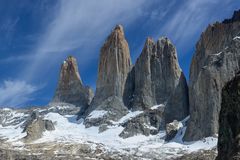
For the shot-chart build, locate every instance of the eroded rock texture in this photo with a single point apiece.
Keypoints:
(35, 126)
(70, 88)
(114, 66)
(113, 69)
(229, 126)
(147, 123)
(158, 79)
(215, 62)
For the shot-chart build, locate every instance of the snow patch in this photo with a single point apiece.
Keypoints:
(236, 38)
(157, 106)
(128, 117)
(68, 129)
(96, 114)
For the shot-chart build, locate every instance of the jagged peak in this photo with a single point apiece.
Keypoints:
(235, 17)
(161, 43)
(164, 40)
(117, 35)
(71, 64)
(118, 30)
(70, 60)
(149, 46)
(119, 27)
(149, 41)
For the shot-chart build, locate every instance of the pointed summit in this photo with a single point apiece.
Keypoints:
(119, 28)
(235, 17)
(70, 87)
(159, 80)
(114, 66)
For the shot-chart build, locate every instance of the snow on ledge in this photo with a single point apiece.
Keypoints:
(157, 106)
(96, 114)
(237, 37)
(128, 117)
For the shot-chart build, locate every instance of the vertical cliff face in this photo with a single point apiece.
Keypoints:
(113, 69)
(229, 126)
(215, 62)
(70, 88)
(114, 66)
(159, 80)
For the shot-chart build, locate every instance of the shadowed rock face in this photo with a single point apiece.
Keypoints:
(215, 62)
(70, 87)
(229, 126)
(158, 79)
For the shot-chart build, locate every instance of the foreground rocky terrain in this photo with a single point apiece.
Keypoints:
(139, 111)
(72, 140)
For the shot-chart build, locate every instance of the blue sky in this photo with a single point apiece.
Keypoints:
(36, 36)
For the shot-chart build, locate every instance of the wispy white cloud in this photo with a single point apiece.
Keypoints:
(79, 25)
(8, 28)
(190, 19)
(16, 93)
(16, 59)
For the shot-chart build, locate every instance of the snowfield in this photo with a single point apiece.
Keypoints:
(69, 130)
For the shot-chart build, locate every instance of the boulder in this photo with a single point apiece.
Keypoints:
(35, 126)
(172, 130)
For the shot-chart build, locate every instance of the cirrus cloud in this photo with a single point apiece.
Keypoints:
(16, 93)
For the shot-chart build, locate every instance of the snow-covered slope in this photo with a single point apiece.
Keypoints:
(68, 130)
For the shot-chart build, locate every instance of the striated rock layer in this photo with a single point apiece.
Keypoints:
(158, 79)
(229, 126)
(114, 66)
(215, 62)
(70, 88)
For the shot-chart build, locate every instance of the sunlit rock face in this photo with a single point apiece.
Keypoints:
(215, 62)
(70, 88)
(114, 66)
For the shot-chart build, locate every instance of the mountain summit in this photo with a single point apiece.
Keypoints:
(70, 88)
